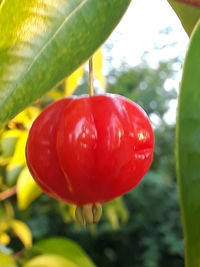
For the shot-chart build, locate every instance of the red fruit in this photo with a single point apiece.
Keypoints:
(87, 149)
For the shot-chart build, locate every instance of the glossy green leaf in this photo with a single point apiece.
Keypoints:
(43, 41)
(6, 261)
(65, 248)
(49, 261)
(188, 150)
(188, 15)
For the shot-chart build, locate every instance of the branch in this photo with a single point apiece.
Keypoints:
(18, 254)
(195, 3)
(8, 193)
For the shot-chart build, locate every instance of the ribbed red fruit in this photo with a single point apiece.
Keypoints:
(90, 149)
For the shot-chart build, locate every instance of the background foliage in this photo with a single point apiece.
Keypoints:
(143, 228)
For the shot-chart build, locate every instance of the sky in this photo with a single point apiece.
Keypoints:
(140, 31)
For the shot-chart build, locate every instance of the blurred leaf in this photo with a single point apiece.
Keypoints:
(11, 133)
(14, 141)
(12, 175)
(27, 189)
(65, 248)
(4, 239)
(49, 261)
(72, 81)
(25, 117)
(7, 144)
(188, 149)
(19, 154)
(98, 68)
(67, 211)
(116, 212)
(7, 148)
(55, 94)
(3, 226)
(45, 41)
(188, 15)
(112, 216)
(22, 231)
(9, 208)
(72, 210)
(6, 261)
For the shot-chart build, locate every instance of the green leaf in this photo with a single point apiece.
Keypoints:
(43, 41)
(65, 248)
(188, 150)
(6, 261)
(49, 261)
(12, 176)
(188, 15)
(7, 143)
(8, 146)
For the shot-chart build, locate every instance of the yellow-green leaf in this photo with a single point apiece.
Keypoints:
(4, 239)
(3, 226)
(7, 144)
(65, 248)
(25, 117)
(9, 209)
(48, 260)
(11, 134)
(98, 68)
(19, 154)
(22, 231)
(188, 15)
(54, 94)
(72, 81)
(27, 189)
(116, 212)
(112, 216)
(7, 261)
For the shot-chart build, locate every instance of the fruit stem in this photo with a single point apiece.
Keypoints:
(91, 78)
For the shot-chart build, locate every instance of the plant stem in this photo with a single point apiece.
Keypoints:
(18, 254)
(91, 78)
(8, 193)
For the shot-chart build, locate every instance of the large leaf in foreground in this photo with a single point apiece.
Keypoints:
(49, 261)
(188, 15)
(188, 150)
(42, 41)
(66, 248)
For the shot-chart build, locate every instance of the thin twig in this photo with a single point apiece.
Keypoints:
(18, 254)
(8, 193)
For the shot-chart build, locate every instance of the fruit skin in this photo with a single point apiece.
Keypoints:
(90, 149)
